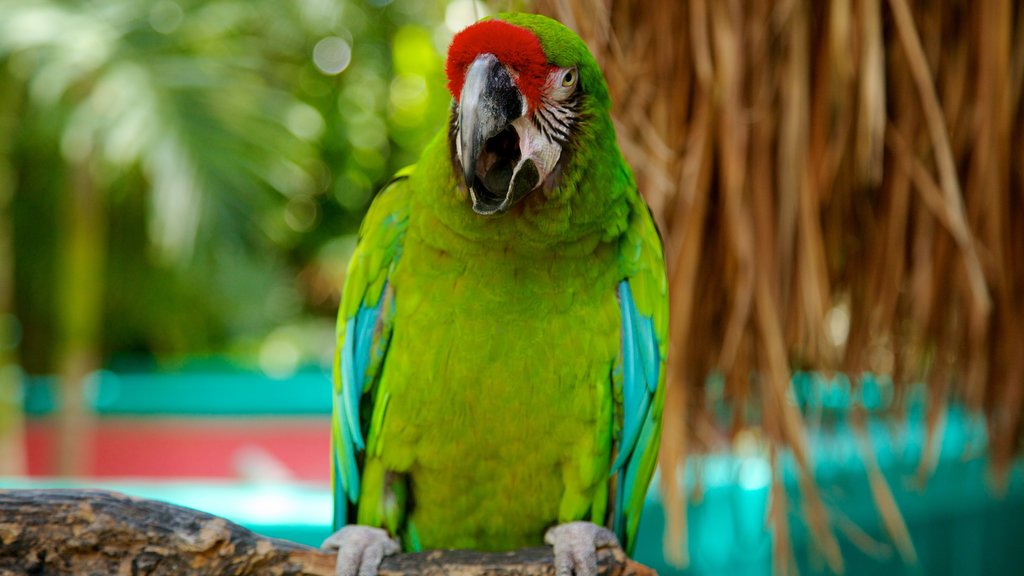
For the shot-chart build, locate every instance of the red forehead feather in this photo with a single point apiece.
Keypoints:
(515, 47)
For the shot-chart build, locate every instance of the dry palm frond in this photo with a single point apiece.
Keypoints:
(813, 160)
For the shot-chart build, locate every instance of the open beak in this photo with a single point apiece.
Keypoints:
(503, 155)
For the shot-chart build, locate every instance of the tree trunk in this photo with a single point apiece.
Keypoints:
(12, 421)
(81, 307)
(100, 532)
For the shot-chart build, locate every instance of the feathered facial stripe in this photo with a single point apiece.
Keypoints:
(558, 112)
(555, 120)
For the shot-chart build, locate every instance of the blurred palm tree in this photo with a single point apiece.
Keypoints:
(187, 97)
(182, 177)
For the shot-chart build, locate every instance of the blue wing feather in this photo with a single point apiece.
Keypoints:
(640, 360)
(366, 323)
(337, 479)
(638, 374)
(350, 392)
(345, 467)
(629, 375)
(629, 483)
(355, 358)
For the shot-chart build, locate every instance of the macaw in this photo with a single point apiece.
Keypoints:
(499, 376)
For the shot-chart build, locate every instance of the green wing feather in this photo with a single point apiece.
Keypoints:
(364, 331)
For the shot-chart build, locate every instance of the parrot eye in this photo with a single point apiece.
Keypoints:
(569, 79)
(562, 83)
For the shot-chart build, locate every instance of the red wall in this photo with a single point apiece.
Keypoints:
(192, 447)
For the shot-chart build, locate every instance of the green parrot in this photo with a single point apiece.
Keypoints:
(502, 332)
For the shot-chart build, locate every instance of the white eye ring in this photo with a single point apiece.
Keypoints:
(569, 78)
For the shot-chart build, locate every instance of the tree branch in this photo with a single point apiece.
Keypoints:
(102, 532)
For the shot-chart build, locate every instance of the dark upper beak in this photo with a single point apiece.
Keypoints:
(489, 102)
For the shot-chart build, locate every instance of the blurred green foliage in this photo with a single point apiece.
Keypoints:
(234, 146)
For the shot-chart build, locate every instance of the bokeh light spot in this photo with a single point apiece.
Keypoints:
(408, 99)
(301, 213)
(166, 16)
(332, 55)
(279, 357)
(462, 13)
(837, 321)
(305, 121)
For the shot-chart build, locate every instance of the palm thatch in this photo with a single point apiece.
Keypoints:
(840, 188)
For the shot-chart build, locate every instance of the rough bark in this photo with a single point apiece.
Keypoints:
(102, 532)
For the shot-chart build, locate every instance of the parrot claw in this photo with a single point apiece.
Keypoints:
(360, 549)
(576, 545)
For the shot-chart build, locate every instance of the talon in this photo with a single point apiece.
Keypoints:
(360, 549)
(576, 545)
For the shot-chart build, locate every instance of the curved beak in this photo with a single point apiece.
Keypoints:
(493, 134)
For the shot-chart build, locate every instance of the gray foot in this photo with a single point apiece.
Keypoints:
(576, 545)
(360, 549)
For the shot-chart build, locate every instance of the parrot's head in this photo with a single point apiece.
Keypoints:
(524, 86)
